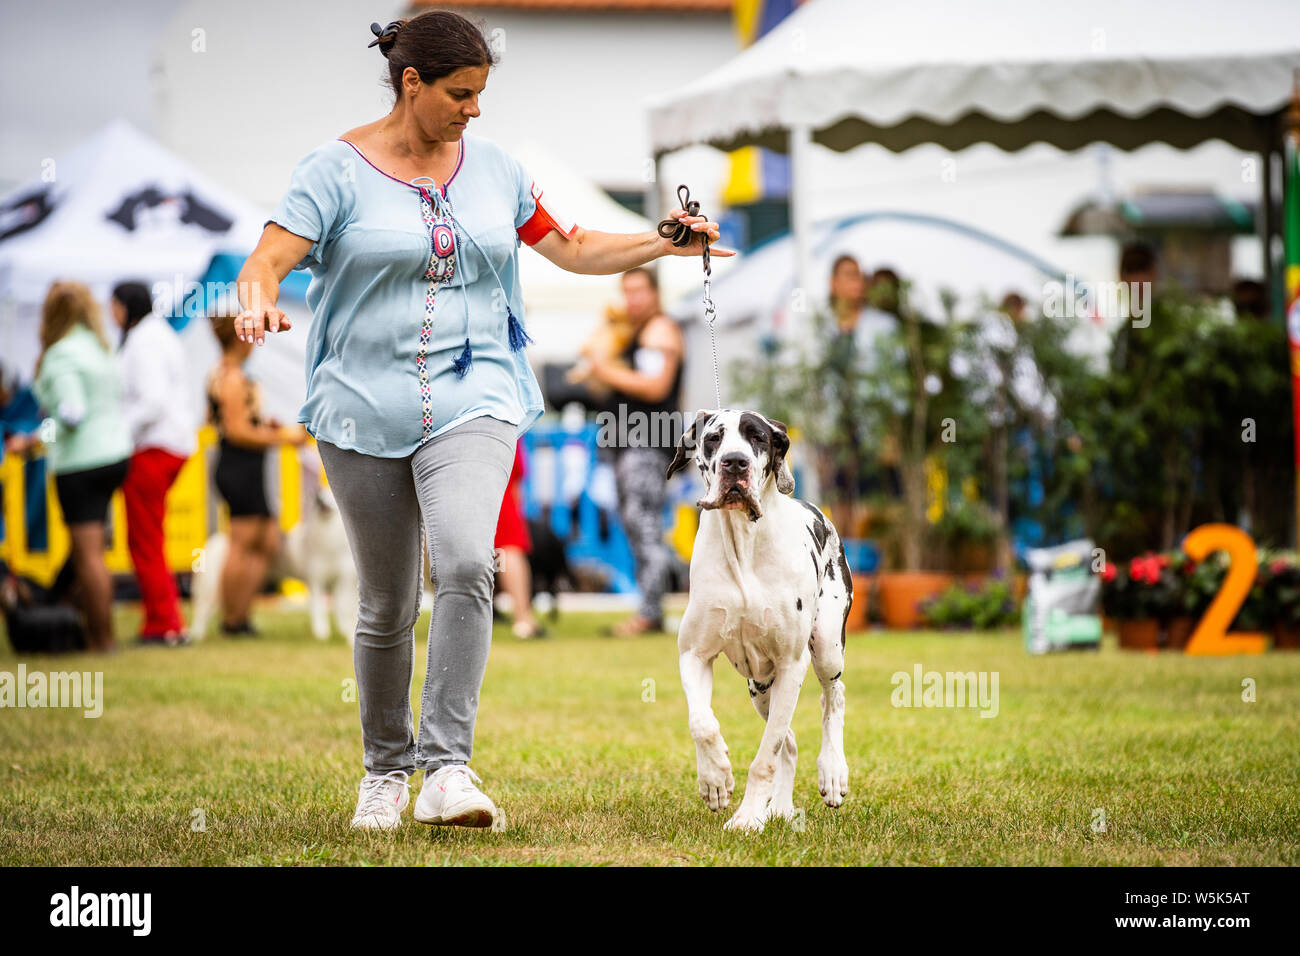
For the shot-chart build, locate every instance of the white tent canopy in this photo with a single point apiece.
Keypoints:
(1009, 72)
(118, 207)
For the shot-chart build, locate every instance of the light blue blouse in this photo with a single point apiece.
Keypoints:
(403, 274)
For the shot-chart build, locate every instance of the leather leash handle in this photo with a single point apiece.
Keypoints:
(680, 233)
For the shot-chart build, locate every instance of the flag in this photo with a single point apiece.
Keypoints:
(757, 173)
(1291, 239)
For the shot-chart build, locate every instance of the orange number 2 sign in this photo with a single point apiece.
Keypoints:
(1211, 636)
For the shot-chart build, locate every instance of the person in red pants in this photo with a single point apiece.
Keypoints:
(515, 544)
(163, 426)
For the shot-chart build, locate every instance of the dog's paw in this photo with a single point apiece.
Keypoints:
(747, 820)
(716, 786)
(832, 779)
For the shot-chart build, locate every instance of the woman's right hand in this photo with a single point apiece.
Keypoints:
(259, 282)
(252, 324)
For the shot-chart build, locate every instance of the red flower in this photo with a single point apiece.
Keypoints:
(1278, 566)
(1145, 569)
(1108, 572)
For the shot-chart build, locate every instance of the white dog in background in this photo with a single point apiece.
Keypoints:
(770, 589)
(315, 552)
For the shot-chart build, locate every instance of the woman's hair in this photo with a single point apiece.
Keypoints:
(69, 304)
(223, 327)
(437, 43)
(134, 296)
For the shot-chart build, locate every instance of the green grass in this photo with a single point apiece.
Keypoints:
(258, 737)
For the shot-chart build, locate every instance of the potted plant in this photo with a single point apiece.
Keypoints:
(1281, 583)
(1195, 584)
(1136, 594)
(981, 605)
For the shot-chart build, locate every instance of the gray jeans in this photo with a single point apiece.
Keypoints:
(452, 485)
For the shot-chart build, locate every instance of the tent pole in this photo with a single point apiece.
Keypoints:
(1268, 224)
(801, 220)
(652, 201)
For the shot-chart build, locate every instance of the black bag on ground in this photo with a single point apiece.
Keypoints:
(38, 620)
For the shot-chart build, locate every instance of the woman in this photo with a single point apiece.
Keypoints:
(235, 410)
(159, 419)
(418, 386)
(79, 386)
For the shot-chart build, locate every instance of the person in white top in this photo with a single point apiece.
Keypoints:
(160, 418)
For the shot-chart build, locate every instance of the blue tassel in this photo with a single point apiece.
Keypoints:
(518, 337)
(462, 362)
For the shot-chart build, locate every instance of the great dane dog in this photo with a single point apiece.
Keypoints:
(769, 588)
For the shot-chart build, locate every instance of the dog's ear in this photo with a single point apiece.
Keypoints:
(779, 467)
(686, 444)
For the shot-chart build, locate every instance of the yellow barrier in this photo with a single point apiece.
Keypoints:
(185, 526)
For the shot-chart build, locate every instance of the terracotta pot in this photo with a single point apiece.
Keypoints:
(901, 593)
(1139, 634)
(857, 620)
(1286, 637)
(1178, 631)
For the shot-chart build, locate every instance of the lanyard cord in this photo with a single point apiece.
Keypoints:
(681, 235)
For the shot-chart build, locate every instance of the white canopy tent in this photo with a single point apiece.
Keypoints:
(1009, 72)
(118, 207)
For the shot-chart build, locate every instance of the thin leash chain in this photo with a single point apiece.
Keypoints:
(681, 236)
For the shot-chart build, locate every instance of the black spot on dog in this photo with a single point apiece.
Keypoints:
(798, 604)
(818, 528)
(844, 571)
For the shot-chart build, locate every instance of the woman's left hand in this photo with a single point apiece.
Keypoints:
(702, 227)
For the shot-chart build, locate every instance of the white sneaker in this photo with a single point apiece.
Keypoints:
(383, 798)
(449, 798)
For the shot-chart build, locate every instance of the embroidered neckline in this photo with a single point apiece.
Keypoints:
(460, 161)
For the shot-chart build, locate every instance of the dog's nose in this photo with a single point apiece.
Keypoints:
(735, 463)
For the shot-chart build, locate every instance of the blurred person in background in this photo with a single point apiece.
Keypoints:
(843, 333)
(235, 410)
(515, 545)
(158, 416)
(646, 377)
(1250, 299)
(859, 309)
(79, 386)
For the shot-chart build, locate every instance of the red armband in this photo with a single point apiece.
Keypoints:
(543, 221)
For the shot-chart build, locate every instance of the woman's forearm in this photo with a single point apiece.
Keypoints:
(605, 253)
(258, 284)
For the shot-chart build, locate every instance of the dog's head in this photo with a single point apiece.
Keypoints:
(739, 454)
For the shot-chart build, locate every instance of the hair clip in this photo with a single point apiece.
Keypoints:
(384, 33)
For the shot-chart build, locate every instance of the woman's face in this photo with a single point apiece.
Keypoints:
(444, 107)
(847, 282)
(119, 313)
